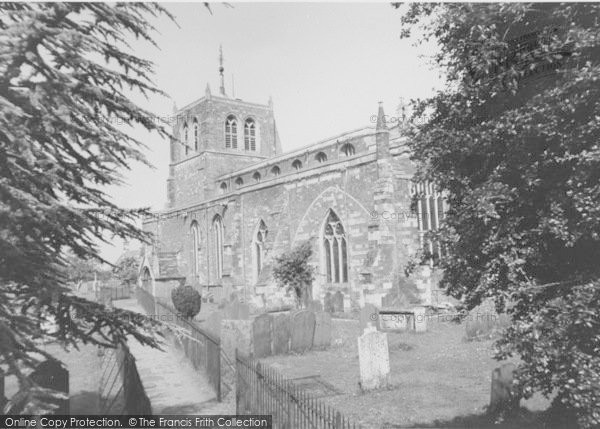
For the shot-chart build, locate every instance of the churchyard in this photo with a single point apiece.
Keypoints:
(425, 374)
(435, 375)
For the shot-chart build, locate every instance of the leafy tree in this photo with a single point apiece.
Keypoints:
(79, 270)
(293, 272)
(513, 142)
(126, 270)
(65, 68)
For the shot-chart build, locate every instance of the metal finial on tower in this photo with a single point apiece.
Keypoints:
(221, 70)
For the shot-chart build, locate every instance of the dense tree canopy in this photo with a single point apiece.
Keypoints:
(513, 141)
(66, 70)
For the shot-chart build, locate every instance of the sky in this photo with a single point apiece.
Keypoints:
(326, 66)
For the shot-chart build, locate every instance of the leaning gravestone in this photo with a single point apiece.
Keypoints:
(369, 315)
(262, 327)
(323, 329)
(374, 359)
(503, 398)
(338, 302)
(236, 334)
(281, 334)
(329, 305)
(315, 305)
(303, 330)
(51, 375)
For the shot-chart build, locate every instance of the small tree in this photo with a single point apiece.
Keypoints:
(187, 301)
(126, 271)
(293, 272)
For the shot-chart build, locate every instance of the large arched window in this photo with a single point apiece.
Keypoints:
(335, 249)
(249, 134)
(217, 226)
(275, 171)
(430, 214)
(259, 248)
(195, 231)
(231, 132)
(196, 136)
(239, 182)
(256, 176)
(297, 165)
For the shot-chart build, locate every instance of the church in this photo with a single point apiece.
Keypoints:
(236, 201)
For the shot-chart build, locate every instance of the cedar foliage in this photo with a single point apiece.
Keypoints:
(65, 70)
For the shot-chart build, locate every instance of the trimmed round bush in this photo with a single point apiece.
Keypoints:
(187, 301)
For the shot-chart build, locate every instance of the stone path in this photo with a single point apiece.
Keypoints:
(171, 382)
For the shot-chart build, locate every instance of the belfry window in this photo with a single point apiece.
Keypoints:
(217, 226)
(430, 213)
(250, 135)
(256, 177)
(223, 187)
(335, 250)
(185, 138)
(231, 132)
(275, 171)
(297, 165)
(259, 248)
(239, 182)
(196, 136)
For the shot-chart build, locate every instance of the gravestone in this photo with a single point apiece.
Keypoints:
(395, 320)
(323, 329)
(236, 310)
(369, 315)
(374, 359)
(51, 375)
(262, 334)
(281, 334)
(315, 305)
(420, 318)
(329, 307)
(303, 330)
(236, 334)
(213, 323)
(338, 302)
(503, 398)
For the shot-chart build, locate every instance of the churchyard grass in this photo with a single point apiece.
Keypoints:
(435, 376)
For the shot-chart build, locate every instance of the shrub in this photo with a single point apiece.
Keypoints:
(293, 272)
(187, 301)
